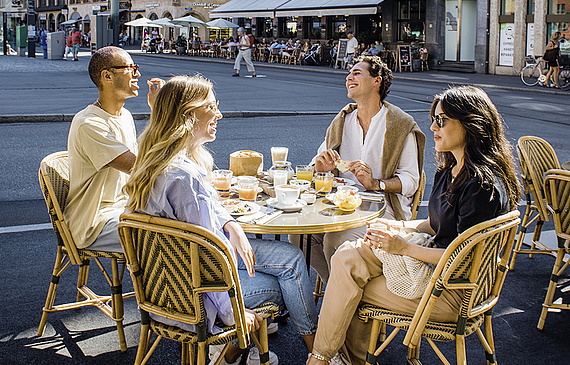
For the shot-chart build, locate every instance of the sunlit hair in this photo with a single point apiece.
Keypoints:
(556, 36)
(378, 68)
(102, 59)
(487, 152)
(169, 135)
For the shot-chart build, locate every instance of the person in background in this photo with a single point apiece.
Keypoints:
(351, 48)
(244, 47)
(68, 46)
(76, 40)
(553, 47)
(171, 179)
(373, 50)
(475, 181)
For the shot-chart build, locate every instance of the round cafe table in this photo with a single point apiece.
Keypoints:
(566, 165)
(320, 217)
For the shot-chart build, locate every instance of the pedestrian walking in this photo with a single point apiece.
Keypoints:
(244, 46)
(552, 55)
(76, 41)
(68, 46)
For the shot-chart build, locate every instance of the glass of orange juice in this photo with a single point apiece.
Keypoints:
(324, 180)
(247, 187)
(222, 179)
(304, 172)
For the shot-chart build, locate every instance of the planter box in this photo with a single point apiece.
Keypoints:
(416, 64)
(181, 50)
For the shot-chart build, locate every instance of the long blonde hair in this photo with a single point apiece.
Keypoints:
(169, 134)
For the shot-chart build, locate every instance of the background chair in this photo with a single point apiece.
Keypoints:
(54, 182)
(475, 263)
(274, 55)
(172, 263)
(416, 202)
(536, 156)
(557, 191)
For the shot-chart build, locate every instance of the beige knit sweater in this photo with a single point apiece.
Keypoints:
(398, 125)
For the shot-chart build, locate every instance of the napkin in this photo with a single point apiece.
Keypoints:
(259, 217)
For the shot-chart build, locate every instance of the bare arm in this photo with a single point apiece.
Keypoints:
(240, 242)
(124, 162)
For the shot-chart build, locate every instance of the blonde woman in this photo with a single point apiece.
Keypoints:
(170, 179)
(553, 50)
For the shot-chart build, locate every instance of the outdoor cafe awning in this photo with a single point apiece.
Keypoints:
(247, 9)
(70, 22)
(282, 8)
(327, 7)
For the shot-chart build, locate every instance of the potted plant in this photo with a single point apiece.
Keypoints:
(416, 61)
(181, 44)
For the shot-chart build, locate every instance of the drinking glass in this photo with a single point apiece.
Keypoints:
(279, 154)
(304, 172)
(247, 187)
(324, 180)
(222, 179)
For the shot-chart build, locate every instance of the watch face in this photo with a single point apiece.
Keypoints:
(382, 185)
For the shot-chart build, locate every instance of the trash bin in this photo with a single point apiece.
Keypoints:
(55, 45)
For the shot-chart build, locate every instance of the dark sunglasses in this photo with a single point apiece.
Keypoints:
(439, 120)
(135, 68)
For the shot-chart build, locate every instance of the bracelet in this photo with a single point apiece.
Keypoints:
(319, 357)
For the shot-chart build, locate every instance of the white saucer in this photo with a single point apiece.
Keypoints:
(299, 204)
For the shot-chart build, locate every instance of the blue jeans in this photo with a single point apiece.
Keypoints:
(280, 277)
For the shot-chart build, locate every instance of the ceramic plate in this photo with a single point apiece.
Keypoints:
(339, 181)
(299, 204)
(238, 207)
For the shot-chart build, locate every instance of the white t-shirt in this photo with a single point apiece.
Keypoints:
(351, 45)
(95, 193)
(370, 150)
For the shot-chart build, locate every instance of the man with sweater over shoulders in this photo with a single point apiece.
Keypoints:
(385, 148)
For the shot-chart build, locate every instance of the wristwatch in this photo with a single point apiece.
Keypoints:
(381, 185)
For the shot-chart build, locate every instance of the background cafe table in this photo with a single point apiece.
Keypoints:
(320, 217)
(566, 165)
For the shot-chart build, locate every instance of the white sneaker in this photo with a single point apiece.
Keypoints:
(272, 328)
(253, 357)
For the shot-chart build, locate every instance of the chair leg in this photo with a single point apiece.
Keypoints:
(143, 343)
(58, 269)
(118, 310)
(536, 235)
(82, 277)
(370, 358)
(551, 287)
(460, 350)
(522, 233)
(262, 343)
(318, 293)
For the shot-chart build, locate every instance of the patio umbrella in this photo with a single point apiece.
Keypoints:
(221, 23)
(189, 21)
(142, 22)
(165, 22)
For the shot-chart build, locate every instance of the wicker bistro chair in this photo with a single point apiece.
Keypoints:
(536, 156)
(274, 55)
(54, 182)
(172, 263)
(557, 190)
(416, 201)
(474, 263)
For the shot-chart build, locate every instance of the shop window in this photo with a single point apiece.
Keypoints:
(411, 20)
(339, 27)
(507, 7)
(267, 31)
(291, 27)
(558, 7)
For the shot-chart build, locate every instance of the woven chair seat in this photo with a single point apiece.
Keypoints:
(437, 331)
(106, 254)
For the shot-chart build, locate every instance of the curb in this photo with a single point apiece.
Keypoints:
(67, 118)
(395, 75)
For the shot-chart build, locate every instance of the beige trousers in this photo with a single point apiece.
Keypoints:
(324, 245)
(356, 275)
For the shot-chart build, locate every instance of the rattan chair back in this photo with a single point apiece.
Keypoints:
(418, 195)
(476, 263)
(172, 263)
(536, 156)
(557, 191)
(54, 182)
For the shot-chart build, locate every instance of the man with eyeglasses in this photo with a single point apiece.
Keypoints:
(384, 145)
(102, 150)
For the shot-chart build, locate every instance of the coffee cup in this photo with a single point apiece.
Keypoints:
(287, 194)
(310, 198)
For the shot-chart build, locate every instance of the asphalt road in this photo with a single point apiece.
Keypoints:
(37, 86)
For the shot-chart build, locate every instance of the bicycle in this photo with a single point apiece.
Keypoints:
(533, 72)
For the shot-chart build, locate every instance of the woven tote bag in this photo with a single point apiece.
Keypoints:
(406, 276)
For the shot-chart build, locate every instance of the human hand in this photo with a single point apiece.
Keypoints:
(363, 173)
(325, 161)
(252, 320)
(240, 243)
(388, 241)
(154, 85)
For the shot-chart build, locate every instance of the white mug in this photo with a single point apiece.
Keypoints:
(287, 194)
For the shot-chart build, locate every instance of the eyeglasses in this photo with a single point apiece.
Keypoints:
(439, 120)
(134, 68)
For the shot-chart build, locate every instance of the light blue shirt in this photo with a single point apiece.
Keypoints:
(180, 192)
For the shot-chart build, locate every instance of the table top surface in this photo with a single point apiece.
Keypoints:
(566, 165)
(320, 217)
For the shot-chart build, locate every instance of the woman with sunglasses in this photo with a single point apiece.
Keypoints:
(171, 179)
(475, 181)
